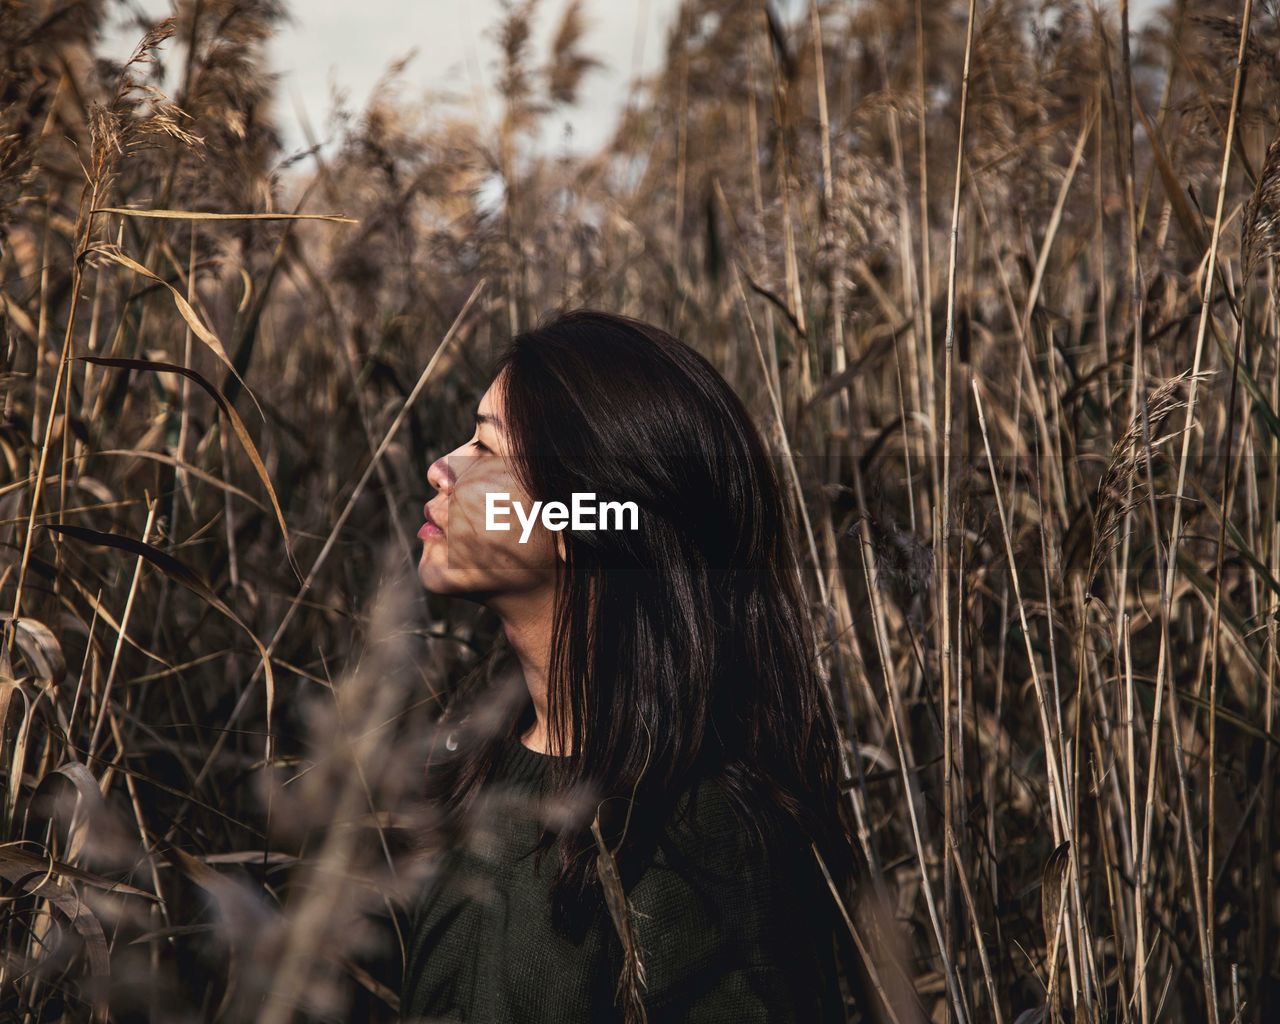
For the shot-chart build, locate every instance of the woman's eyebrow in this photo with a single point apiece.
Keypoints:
(493, 421)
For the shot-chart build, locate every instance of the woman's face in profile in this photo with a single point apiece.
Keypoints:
(460, 556)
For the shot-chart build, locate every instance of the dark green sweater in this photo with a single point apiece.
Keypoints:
(728, 931)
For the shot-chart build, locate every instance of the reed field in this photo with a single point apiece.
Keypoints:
(999, 281)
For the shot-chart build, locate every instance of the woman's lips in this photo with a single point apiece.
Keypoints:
(429, 528)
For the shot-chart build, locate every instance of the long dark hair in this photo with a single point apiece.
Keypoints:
(684, 648)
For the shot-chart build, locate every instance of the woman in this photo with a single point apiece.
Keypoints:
(665, 708)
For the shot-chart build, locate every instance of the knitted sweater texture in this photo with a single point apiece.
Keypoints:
(729, 933)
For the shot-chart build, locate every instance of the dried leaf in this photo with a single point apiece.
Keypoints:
(95, 819)
(35, 875)
(197, 325)
(179, 573)
(194, 215)
(1053, 888)
(9, 687)
(41, 647)
(12, 859)
(631, 979)
(237, 424)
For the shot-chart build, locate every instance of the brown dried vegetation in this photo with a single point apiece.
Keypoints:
(1037, 456)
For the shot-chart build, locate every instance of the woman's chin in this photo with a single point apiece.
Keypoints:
(437, 576)
(431, 574)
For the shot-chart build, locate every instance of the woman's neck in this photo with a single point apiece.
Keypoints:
(527, 625)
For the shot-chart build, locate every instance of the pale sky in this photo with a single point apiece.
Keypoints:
(348, 44)
(351, 44)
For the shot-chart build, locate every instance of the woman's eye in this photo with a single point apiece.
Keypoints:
(479, 445)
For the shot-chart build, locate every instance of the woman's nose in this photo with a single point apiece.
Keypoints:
(440, 476)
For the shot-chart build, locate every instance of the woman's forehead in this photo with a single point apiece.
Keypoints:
(487, 412)
(489, 408)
